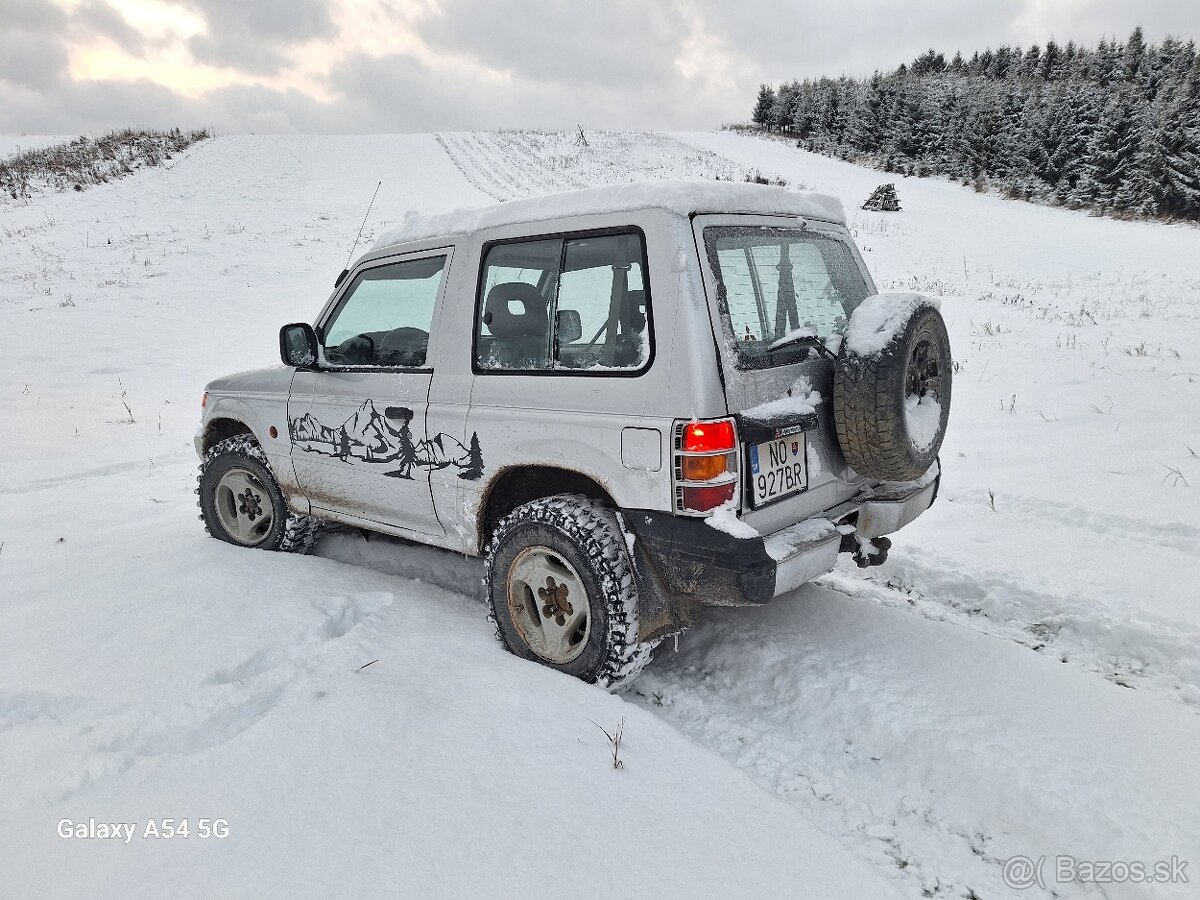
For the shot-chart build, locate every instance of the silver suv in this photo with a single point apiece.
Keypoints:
(633, 400)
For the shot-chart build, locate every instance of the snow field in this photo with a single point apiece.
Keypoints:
(1022, 676)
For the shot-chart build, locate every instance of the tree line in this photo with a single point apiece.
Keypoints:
(1113, 128)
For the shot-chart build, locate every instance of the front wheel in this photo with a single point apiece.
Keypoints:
(561, 588)
(241, 503)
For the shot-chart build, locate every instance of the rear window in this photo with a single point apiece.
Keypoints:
(773, 282)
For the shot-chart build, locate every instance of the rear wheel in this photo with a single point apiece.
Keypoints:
(547, 604)
(561, 589)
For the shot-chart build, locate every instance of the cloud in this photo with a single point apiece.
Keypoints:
(92, 106)
(400, 93)
(95, 18)
(618, 43)
(32, 61)
(852, 37)
(554, 65)
(33, 54)
(253, 35)
(421, 65)
(31, 15)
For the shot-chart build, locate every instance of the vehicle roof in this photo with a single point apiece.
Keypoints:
(679, 198)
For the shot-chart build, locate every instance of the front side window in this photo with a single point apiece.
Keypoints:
(776, 282)
(383, 319)
(575, 304)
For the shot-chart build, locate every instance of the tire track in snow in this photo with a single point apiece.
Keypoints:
(932, 751)
(1175, 535)
(503, 166)
(509, 165)
(466, 159)
(113, 739)
(1076, 625)
(42, 484)
(1147, 652)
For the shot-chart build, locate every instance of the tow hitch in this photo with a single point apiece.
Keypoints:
(867, 551)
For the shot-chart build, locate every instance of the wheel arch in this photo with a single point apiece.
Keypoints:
(516, 485)
(220, 428)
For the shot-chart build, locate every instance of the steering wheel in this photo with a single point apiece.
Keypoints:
(405, 341)
(350, 351)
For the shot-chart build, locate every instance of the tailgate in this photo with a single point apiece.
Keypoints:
(773, 284)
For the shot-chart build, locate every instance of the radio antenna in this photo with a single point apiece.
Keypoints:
(363, 225)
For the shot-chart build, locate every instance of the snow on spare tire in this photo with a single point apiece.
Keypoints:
(891, 389)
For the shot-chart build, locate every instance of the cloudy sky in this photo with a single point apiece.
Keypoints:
(423, 65)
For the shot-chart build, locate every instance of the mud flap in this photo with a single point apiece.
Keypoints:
(661, 611)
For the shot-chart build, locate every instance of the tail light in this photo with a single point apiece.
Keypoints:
(706, 465)
(204, 400)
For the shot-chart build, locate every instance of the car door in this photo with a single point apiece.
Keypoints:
(357, 423)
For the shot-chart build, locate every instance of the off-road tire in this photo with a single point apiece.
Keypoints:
(868, 401)
(290, 532)
(590, 538)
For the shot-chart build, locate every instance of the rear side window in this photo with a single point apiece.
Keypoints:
(569, 305)
(773, 282)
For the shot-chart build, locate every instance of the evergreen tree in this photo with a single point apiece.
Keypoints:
(864, 134)
(1134, 57)
(930, 61)
(1173, 148)
(1051, 62)
(1110, 152)
(1031, 64)
(783, 113)
(765, 105)
(474, 462)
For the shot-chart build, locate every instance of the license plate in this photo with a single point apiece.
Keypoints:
(778, 468)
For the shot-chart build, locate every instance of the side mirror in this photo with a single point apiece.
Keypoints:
(298, 345)
(570, 326)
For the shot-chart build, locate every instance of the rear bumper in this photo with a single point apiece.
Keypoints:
(717, 569)
(885, 513)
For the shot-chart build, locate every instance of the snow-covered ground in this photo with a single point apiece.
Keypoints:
(1022, 677)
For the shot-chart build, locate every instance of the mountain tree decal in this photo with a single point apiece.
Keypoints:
(474, 467)
(369, 437)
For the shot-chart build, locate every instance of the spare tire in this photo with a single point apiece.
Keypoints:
(891, 388)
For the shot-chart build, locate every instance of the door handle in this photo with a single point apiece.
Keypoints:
(398, 412)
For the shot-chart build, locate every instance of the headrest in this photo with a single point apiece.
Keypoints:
(501, 316)
(637, 318)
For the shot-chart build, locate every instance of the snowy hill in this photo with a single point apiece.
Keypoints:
(1022, 677)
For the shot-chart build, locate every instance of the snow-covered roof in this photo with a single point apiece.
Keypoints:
(681, 198)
